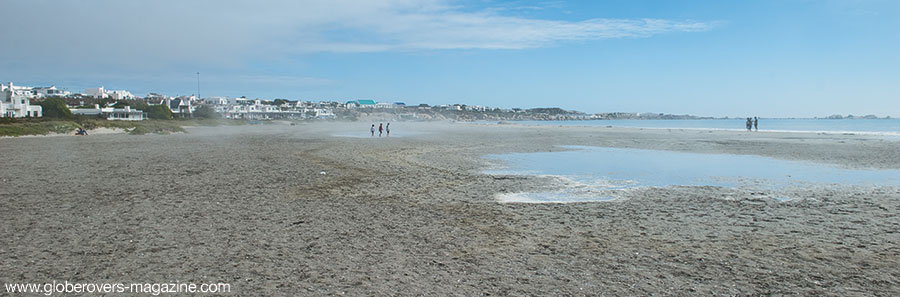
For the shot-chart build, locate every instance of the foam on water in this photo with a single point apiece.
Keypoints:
(599, 174)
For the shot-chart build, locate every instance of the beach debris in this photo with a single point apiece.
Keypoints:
(323, 173)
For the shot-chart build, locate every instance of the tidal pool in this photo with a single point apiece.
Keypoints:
(599, 173)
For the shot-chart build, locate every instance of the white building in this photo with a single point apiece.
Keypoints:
(96, 92)
(384, 105)
(50, 91)
(365, 103)
(120, 95)
(114, 94)
(182, 105)
(324, 114)
(109, 113)
(216, 100)
(15, 102)
(154, 98)
(477, 108)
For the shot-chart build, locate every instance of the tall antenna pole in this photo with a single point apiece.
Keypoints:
(198, 85)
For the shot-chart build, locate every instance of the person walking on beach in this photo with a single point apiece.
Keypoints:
(380, 129)
(756, 123)
(372, 130)
(749, 123)
(387, 128)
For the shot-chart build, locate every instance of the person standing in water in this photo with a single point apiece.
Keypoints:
(749, 124)
(380, 129)
(372, 129)
(387, 128)
(756, 123)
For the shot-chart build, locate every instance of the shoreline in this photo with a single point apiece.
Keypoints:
(823, 132)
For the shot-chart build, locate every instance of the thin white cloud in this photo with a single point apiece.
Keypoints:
(443, 27)
(164, 33)
(474, 31)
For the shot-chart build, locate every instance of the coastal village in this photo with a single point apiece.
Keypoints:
(23, 102)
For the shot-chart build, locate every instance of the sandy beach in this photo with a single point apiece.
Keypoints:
(295, 210)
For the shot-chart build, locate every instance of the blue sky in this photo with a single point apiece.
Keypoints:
(715, 58)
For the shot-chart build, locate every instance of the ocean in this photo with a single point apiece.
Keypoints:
(889, 127)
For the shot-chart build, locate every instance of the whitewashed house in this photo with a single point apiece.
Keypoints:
(384, 105)
(324, 114)
(50, 91)
(181, 106)
(15, 102)
(120, 95)
(154, 98)
(104, 93)
(270, 108)
(96, 92)
(365, 103)
(110, 113)
(216, 100)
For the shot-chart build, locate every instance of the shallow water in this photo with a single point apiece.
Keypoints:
(597, 173)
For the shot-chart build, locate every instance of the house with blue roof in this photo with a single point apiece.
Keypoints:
(362, 103)
(366, 103)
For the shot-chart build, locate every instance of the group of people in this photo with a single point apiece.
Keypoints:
(381, 129)
(753, 123)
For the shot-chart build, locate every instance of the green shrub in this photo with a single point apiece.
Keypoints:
(158, 112)
(55, 108)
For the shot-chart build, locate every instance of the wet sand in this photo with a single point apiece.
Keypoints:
(414, 215)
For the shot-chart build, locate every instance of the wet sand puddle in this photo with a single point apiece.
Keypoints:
(600, 174)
